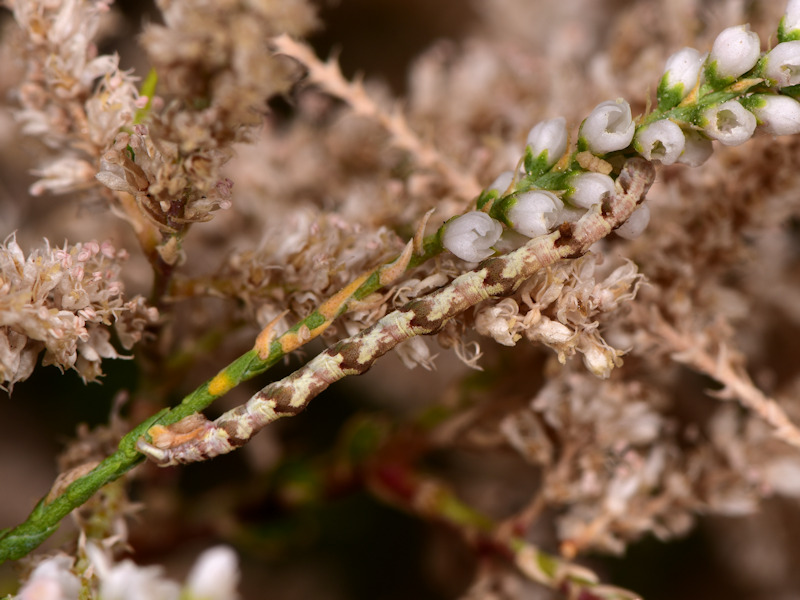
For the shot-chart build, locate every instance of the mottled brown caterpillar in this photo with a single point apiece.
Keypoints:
(196, 438)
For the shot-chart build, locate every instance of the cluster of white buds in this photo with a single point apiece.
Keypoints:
(215, 576)
(725, 95)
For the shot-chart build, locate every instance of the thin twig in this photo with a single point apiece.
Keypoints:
(329, 77)
(689, 350)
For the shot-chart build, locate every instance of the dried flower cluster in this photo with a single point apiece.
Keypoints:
(636, 344)
(62, 301)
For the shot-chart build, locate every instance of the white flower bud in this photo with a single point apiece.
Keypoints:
(778, 115)
(735, 51)
(609, 127)
(567, 214)
(590, 188)
(551, 137)
(501, 183)
(697, 150)
(730, 123)
(636, 223)
(52, 579)
(683, 69)
(471, 236)
(535, 212)
(791, 18)
(215, 575)
(662, 140)
(782, 64)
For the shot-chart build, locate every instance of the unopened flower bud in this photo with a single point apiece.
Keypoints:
(778, 115)
(636, 223)
(735, 52)
(501, 183)
(471, 236)
(535, 212)
(548, 140)
(730, 123)
(697, 150)
(52, 579)
(215, 575)
(682, 71)
(590, 188)
(662, 140)
(609, 127)
(791, 21)
(782, 64)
